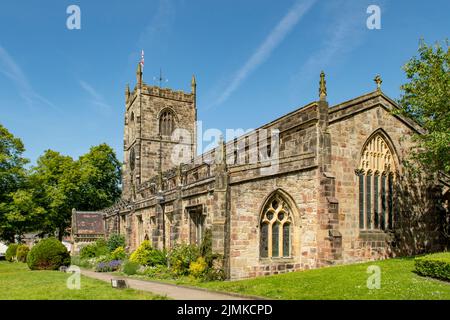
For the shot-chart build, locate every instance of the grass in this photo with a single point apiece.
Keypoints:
(18, 282)
(398, 282)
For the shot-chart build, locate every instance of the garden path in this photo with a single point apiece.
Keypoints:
(166, 289)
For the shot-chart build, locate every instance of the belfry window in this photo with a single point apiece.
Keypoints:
(275, 229)
(131, 128)
(166, 123)
(376, 185)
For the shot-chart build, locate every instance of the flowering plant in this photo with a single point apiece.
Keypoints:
(110, 266)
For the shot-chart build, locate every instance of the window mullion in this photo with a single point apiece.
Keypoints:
(269, 239)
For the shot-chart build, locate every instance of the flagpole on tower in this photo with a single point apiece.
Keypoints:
(142, 60)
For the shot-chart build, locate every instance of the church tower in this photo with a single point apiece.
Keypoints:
(160, 131)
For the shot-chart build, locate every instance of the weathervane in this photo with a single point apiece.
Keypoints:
(160, 79)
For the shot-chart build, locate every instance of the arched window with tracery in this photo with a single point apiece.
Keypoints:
(276, 228)
(376, 185)
(166, 123)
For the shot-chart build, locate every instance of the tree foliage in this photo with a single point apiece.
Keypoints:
(99, 174)
(41, 198)
(60, 184)
(12, 177)
(426, 98)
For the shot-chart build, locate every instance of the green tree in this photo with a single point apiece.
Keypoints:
(12, 177)
(100, 175)
(60, 184)
(22, 213)
(42, 198)
(426, 98)
(55, 185)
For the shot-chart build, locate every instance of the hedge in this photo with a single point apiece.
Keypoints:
(434, 265)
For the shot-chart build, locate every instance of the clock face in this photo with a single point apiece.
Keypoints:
(132, 159)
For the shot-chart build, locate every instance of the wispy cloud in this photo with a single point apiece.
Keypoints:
(96, 99)
(343, 37)
(343, 34)
(10, 69)
(271, 42)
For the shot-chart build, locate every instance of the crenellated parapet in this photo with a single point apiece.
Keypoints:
(177, 177)
(121, 205)
(168, 93)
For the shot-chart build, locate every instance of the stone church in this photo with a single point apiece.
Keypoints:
(318, 186)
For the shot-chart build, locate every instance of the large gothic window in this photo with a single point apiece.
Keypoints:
(376, 185)
(275, 229)
(166, 123)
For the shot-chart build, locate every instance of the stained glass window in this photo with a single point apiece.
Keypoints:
(375, 174)
(375, 201)
(264, 247)
(383, 202)
(368, 201)
(361, 200)
(275, 229)
(286, 240)
(275, 239)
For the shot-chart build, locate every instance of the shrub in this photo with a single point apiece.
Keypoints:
(101, 248)
(206, 247)
(180, 258)
(146, 255)
(197, 268)
(115, 241)
(130, 268)
(118, 254)
(22, 252)
(96, 249)
(160, 272)
(214, 270)
(140, 255)
(434, 265)
(11, 252)
(157, 258)
(87, 251)
(214, 274)
(48, 254)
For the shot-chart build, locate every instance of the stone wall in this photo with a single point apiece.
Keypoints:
(247, 198)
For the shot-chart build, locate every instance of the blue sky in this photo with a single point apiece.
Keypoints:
(254, 60)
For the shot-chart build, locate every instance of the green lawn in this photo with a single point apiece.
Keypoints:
(398, 281)
(18, 282)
